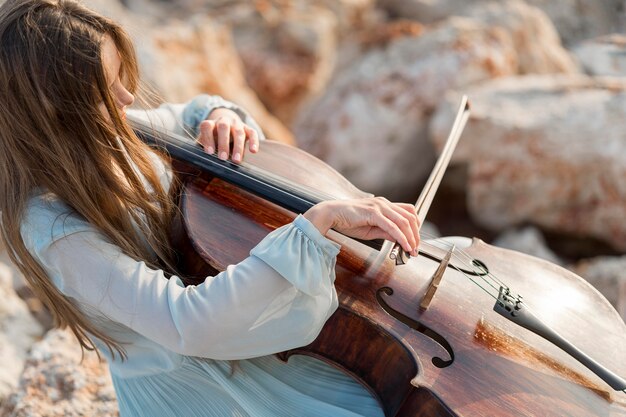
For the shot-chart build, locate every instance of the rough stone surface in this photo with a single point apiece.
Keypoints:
(55, 384)
(197, 56)
(288, 51)
(288, 48)
(546, 150)
(536, 40)
(349, 13)
(575, 20)
(527, 240)
(182, 58)
(603, 56)
(608, 275)
(10, 271)
(426, 11)
(18, 331)
(371, 123)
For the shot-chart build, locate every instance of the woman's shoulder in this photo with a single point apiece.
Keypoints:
(48, 218)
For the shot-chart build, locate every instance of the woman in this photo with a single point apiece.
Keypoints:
(85, 214)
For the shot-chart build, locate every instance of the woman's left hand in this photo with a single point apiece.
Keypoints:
(222, 127)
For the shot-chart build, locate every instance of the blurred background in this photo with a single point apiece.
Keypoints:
(371, 87)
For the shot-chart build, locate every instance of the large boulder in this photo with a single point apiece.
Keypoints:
(536, 40)
(182, 58)
(606, 274)
(288, 48)
(527, 240)
(56, 383)
(371, 124)
(288, 52)
(605, 56)
(425, 11)
(547, 150)
(575, 20)
(195, 56)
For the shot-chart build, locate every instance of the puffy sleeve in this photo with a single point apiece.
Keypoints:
(184, 118)
(276, 299)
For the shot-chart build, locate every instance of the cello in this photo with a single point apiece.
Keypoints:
(445, 334)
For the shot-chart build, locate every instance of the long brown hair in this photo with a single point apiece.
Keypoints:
(53, 136)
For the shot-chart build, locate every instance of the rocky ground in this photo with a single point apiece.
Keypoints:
(371, 88)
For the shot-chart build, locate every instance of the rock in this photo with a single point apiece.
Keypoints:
(425, 11)
(574, 20)
(56, 384)
(536, 40)
(133, 22)
(429, 231)
(180, 59)
(528, 240)
(606, 274)
(348, 13)
(18, 331)
(9, 271)
(199, 57)
(546, 150)
(371, 123)
(288, 52)
(351, 14)
(288, 48)
(603, 56)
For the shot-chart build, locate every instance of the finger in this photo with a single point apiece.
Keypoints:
(408, 211)
(402, 223)
(369, 233)
(239, 139)
(206, 138)
(223, 138)
(253, 139)
(392, 229)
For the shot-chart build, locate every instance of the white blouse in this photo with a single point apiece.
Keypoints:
(276, 299)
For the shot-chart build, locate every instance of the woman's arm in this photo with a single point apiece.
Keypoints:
(276, 299)
(185, 118)
(214, 123)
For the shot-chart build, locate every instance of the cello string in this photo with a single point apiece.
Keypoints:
(463, 253)
(468, 261)
(458, 253)
(288, 186)
(438, 240)
(226, 165)
(489, 279)
(229, 167)
(320, 196)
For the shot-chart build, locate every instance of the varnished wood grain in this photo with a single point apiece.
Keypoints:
(499, 369)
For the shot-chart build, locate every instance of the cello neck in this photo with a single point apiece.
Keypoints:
(273, 188)
(276, 190)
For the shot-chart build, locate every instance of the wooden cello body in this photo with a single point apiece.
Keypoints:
(455, 358)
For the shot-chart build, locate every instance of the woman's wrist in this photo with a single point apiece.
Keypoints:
(320, 217)
(222, 111)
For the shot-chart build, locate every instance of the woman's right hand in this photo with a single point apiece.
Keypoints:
(369, 218)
